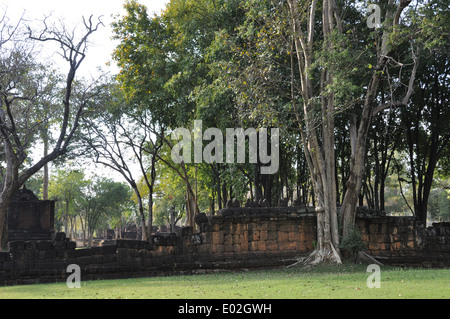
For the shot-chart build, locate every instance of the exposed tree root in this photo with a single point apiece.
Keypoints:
(332, 257)
(363, 257)
(317, 257)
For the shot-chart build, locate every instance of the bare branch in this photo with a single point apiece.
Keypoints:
(409, 91)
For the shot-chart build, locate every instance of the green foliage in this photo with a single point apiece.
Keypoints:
(434, 21)
(92, 204)
(439, 201)
(170, 196)
(353, 243)
(231, 63)
(103, 199)
(66, 187)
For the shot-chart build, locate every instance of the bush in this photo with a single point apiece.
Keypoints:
(353, 242)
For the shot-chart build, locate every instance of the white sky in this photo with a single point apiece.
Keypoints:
(101, 47)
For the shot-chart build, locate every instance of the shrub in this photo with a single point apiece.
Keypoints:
(353, 242)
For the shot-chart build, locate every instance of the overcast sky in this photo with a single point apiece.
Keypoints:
(71, 11)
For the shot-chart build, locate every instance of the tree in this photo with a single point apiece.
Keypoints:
(18, 96)
(124, 139)
(321, 40)
(315, 68)
(320, 144)
(156, 76)
(320, 158)
(67, 189)
(385, 137)
(424, 124)
(102, 198)
(170, 202)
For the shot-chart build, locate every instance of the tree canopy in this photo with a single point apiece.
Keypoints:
(361, 108)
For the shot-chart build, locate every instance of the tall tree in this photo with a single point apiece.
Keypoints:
(67, 188)
(18, 96)
(322, 77)
(127, 141)
(101, 198)
(426, 131)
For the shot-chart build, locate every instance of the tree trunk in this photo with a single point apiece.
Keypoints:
(348, 209)
(3, 225)
(350, 202)
(150, 214)
(141, 214)
(5, 199)
(46, 176)
(319, 156)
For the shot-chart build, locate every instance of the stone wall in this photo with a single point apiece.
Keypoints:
(266, 230)
(403, 241)
(31, 219)
(236, 238)
(231, 240)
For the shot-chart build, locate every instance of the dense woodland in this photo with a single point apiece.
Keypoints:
(363, 112)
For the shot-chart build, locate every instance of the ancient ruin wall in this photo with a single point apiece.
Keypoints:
(236, 238)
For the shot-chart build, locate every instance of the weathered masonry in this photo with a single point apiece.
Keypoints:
(235, 238)
(30, 218)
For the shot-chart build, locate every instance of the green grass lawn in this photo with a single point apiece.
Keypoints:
(348, 281)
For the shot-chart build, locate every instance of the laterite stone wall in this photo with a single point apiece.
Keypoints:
(235, 238)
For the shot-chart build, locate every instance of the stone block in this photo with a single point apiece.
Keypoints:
(217, 238)
(71, 245)
(263, 235)
(217, 227)
(30, 255)
(287, 246)
(46, 254)
(271, 245)
(186, 231)
(30, 245)
(373, 229)
(272, 235)
(301, 246)
(59, 245)
(293, 236)
(253, 246)
(71, 253)
(254, 235)
(85, 260)
(44, 245)
(236, 239)
(283, 236)
(3, 256)
(8, 265)
(59, 236)
(261, 245)
(285, 228)
(93, 251)
(227, 228)
(97, 259)
(16, 245)
(228, 239)
(262, 225)
(218, 249)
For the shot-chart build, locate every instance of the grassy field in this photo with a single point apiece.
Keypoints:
(348, 281)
